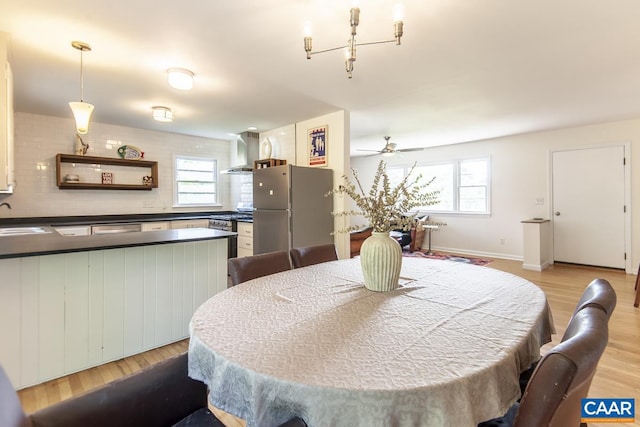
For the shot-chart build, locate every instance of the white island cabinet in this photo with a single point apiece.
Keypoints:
(66, 312)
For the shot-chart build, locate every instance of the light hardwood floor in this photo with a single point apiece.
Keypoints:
(618, 372)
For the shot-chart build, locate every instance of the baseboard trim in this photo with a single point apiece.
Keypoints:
(477, 254)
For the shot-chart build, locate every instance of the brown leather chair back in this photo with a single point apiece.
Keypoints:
(159, 395)
(251, 267)
(11, 413)
(598, 293)
(563, 376)
(309, 255)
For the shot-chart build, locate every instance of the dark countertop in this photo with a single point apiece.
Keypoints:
(102, 219)
(53, 243)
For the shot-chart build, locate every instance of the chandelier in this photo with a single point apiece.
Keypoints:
(350, 47)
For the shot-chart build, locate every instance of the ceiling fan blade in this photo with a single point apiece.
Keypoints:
(404, 150)
(390, 149)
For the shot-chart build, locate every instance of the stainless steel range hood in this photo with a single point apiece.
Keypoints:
(245, 152)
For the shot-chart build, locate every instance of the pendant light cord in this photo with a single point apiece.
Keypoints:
(81, 76)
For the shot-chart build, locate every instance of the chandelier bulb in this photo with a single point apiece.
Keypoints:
(398, 12)
(307, 29)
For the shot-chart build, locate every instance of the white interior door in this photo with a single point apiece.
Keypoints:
(588, 206)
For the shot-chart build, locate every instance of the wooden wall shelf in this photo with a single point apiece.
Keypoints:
(71, 158)
(267, 163)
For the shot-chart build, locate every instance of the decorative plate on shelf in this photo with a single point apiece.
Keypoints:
(266, 149)
(130, 152)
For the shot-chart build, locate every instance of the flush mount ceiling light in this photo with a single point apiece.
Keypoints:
(350, 47)
(162, 114)
(82, 111)
(180, 78)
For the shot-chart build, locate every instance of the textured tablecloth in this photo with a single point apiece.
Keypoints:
(444, 349)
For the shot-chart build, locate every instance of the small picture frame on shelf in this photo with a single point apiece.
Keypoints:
(107, 177)
(317, 146)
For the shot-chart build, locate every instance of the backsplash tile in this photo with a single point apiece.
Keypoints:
(39, 138)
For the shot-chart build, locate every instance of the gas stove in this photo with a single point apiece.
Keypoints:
(233, 216)
(225, 221)
(228, 221)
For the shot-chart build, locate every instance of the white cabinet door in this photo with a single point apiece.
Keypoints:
(156, 225)
(80, 230)
(190, 223)
(245, 239)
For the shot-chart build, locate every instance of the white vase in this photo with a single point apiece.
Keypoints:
(381, 259)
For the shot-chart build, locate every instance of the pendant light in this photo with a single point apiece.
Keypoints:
(82, 111)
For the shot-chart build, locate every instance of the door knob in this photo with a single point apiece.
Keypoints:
(557, 213)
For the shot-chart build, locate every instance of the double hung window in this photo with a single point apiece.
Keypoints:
(464, 185)
(196, 181)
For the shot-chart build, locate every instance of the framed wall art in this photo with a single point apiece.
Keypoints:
(317, 146)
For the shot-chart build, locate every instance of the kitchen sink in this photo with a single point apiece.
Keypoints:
(20, 231)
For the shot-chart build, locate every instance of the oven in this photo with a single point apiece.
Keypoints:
(224, 222)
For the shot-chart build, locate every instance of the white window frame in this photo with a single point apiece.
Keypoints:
(456, 185)
(215, 181)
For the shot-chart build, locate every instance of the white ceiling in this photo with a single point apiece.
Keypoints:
(466, 69)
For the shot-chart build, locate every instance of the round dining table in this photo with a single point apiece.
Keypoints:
(444, 349)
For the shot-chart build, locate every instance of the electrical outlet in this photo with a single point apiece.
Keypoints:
(539, 200)
(502, 241)
(148, 204)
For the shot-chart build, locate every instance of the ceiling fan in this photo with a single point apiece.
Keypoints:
(390, 149)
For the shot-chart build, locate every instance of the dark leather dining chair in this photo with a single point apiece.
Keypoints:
(252, 267)
(598, 293)
(309, 255)
(563, 376)
(161, 395)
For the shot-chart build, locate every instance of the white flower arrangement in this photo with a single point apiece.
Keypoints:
(384, 207)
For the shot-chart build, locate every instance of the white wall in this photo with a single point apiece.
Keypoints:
(520, 174)
(39, 138)
(338, 129)
(283, 143)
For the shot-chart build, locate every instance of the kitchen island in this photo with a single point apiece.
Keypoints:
(68, 303)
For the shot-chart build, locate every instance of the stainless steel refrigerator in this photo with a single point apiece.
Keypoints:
(290, 207)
